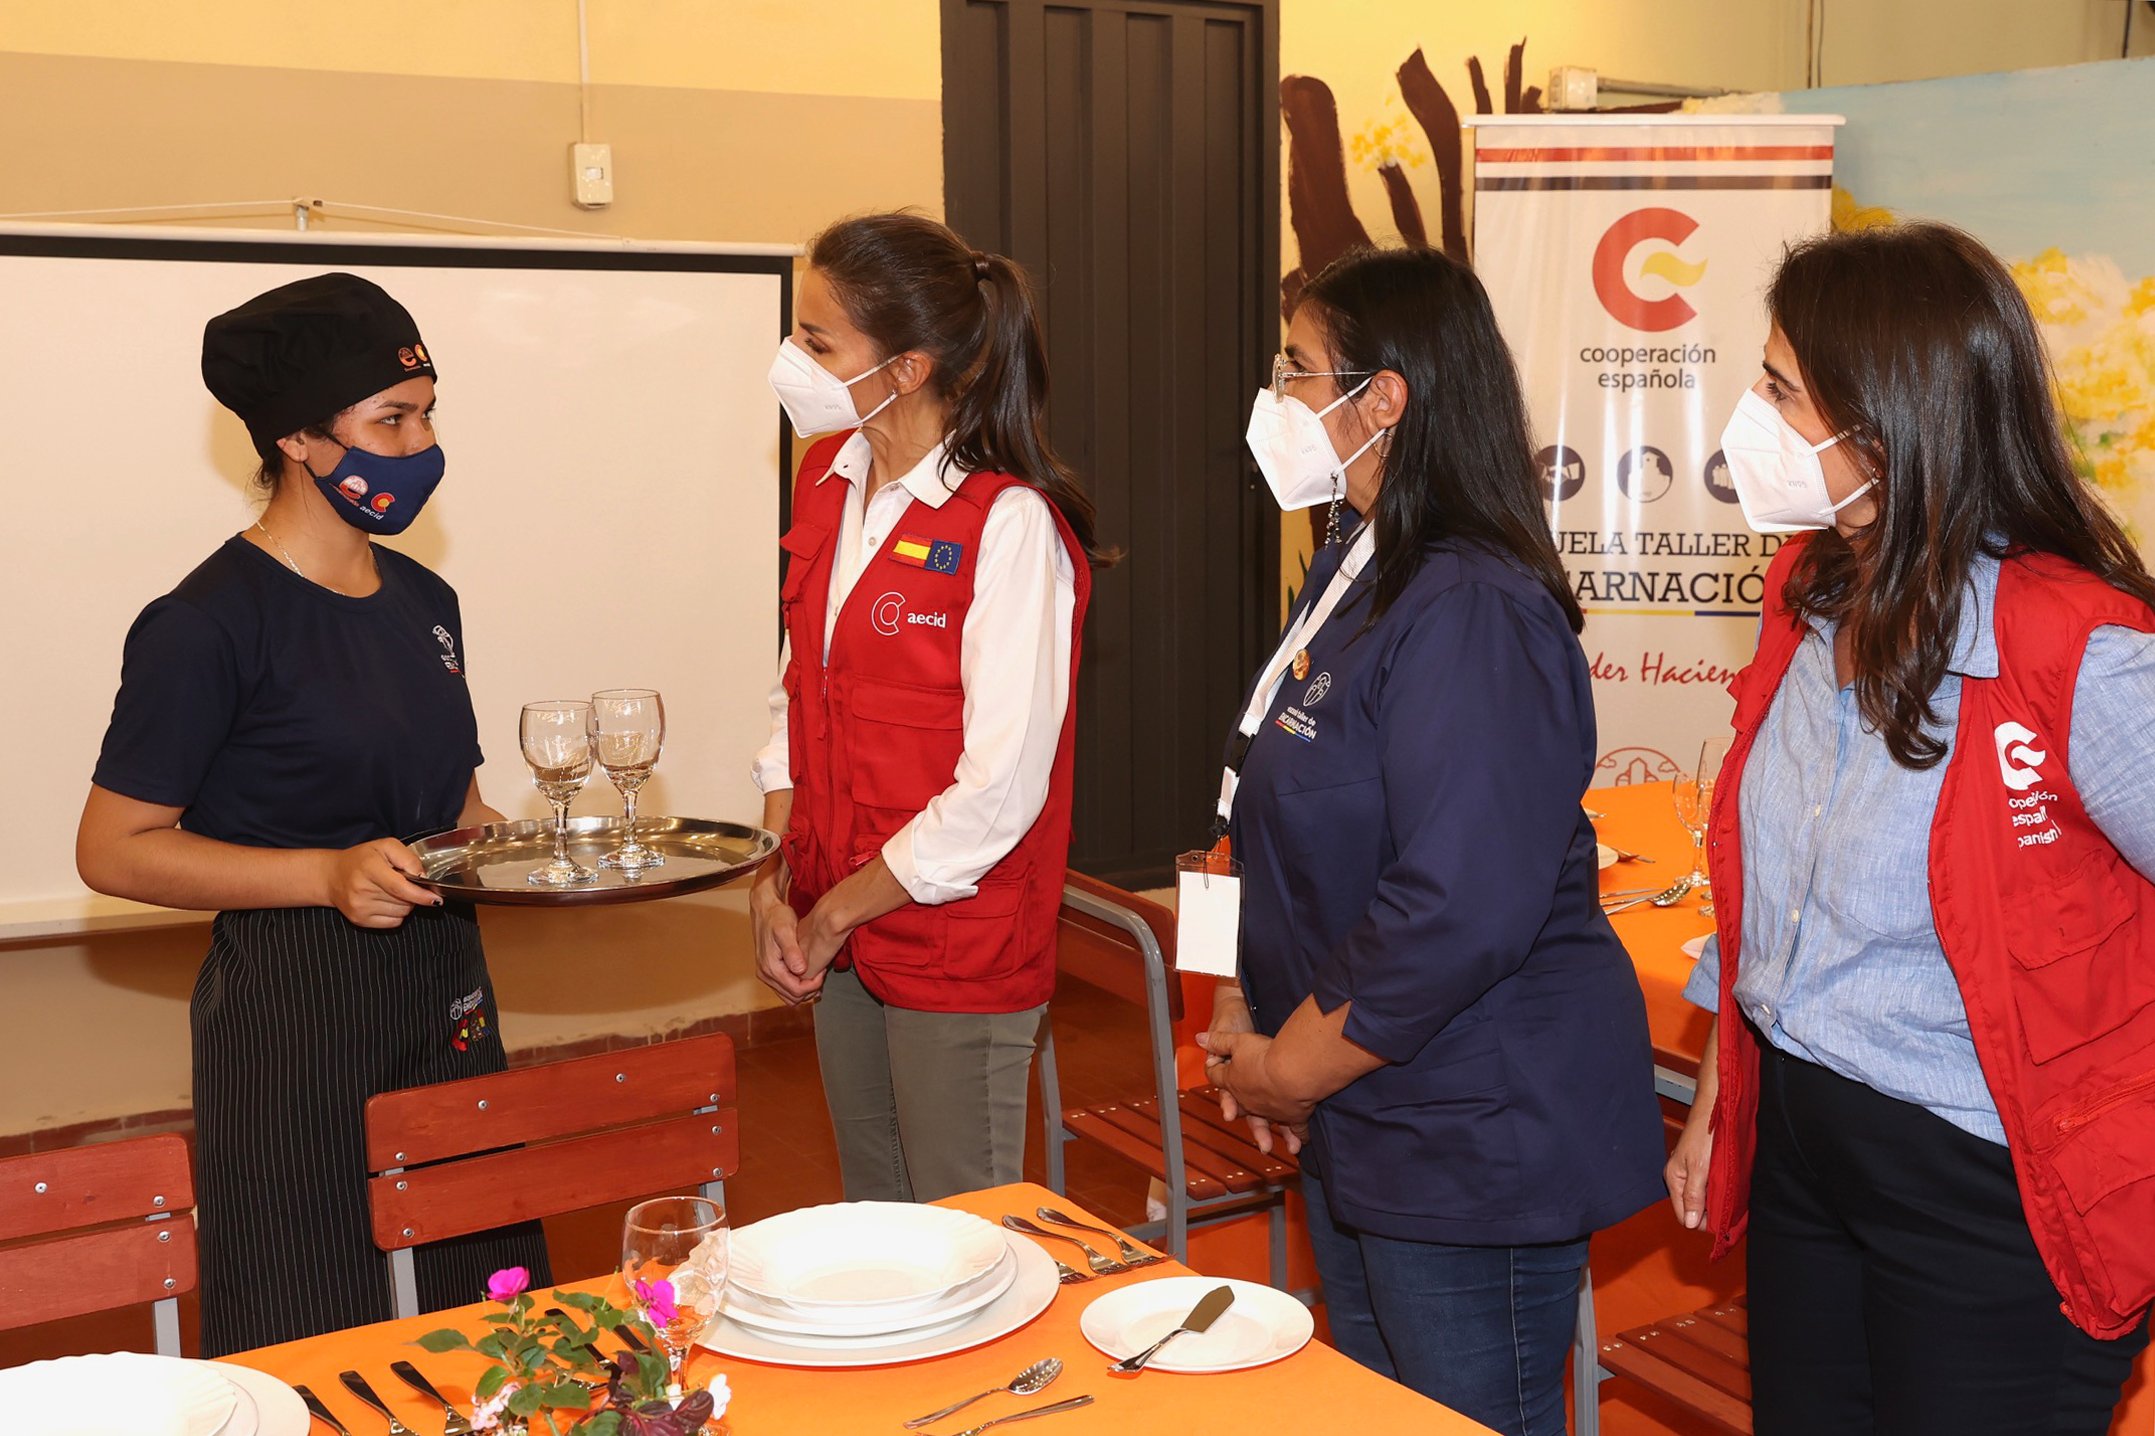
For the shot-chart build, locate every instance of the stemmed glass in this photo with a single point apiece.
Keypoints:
(557, 744)
(1694, 794)
(628, 725)
(674, 1264)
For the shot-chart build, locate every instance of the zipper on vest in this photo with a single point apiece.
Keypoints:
(2087, 1112)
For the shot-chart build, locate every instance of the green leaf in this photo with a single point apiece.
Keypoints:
(652, 1372)
(527, 1400)
(490, 1383)
(606, 1423)
(564, 1397)
(580, 1300)
(441, 1341)
(495, 1344)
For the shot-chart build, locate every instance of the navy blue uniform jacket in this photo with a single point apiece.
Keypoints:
(1408, 820)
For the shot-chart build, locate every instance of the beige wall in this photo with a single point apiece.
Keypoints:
(730, 120)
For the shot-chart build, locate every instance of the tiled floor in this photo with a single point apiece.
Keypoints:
(787, 1161)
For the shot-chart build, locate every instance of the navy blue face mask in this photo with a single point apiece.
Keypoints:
(381, 493)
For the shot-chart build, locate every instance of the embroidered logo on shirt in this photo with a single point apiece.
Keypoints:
(888, 614)
(1294, 720)
(448, 649)
(2017, 762)
(935, 555)
(467, 1019)
(1317, 690)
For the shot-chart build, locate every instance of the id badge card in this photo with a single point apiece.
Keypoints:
(1208, 914)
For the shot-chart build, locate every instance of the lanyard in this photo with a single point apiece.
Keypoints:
(1299, 633)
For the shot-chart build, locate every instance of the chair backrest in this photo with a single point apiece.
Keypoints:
(92, 1228)
(584, 1132)
(1102, 941)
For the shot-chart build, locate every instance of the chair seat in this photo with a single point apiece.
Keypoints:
(1218, 1157)
(1701, 1361)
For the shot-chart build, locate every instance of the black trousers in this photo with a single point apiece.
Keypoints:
(1894, 1286)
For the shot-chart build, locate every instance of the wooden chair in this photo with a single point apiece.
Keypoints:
(1700, 1360)
(1123, 945)
(460, 1157)
(92, 1228)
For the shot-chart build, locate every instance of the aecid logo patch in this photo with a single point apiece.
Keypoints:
(2018, 764)
(1615, 276)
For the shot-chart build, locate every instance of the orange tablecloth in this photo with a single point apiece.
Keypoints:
(1641, 818)
(1316, 1382)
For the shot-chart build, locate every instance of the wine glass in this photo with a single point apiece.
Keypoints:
(674, 1264)
(557, 744)
(1694, 793)
(627, 727)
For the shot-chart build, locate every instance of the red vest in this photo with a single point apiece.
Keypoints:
(876, 732)
(2050, 933)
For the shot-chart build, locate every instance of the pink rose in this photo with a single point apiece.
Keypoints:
(655, 1298)
(507, 1284)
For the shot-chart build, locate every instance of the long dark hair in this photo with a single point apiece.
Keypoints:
(1917, 346)
(1460, 463)
(909, 283)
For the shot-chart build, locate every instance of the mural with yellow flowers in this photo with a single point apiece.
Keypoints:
(2055, 170)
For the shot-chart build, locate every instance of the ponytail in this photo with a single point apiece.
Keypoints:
(910, 283)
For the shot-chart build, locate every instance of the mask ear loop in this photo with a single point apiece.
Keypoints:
(1339, 475)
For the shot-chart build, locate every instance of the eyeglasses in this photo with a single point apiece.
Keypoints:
(1283, 371)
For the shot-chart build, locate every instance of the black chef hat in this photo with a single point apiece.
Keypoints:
(308, 349)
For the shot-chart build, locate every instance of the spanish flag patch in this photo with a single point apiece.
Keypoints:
(936, 555)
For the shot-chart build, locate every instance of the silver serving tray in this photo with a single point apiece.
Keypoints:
(488, 864)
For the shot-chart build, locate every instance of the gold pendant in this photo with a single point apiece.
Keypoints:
(1301, 664)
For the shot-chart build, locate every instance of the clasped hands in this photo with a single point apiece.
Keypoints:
(1238, 1062)
(792, 952)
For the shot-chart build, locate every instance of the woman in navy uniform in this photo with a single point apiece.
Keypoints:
(1432, 1005)
(290, 710)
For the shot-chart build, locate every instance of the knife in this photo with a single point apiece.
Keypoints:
(1201, 1317)
(357, 1385)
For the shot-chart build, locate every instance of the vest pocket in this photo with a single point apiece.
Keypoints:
(2080, 976)
(904, 743)
(2106, 1167)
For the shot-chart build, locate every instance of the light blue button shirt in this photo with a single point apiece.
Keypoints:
(1842, 965)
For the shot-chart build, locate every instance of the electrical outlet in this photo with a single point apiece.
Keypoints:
(591, 175)
(1572, 87)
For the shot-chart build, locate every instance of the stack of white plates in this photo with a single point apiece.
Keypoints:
(127, 1394)
(867, 1283)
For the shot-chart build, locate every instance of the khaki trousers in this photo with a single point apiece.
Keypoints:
(924, 1104)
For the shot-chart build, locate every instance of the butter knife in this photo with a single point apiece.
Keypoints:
(1201, 1317)
(320, 1412)
(454, 1422)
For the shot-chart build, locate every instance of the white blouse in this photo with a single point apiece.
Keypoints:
(1014, 664)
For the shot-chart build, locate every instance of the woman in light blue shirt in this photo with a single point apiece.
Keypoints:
(1905, 1276)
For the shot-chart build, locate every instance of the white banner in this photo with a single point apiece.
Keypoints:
(1627, 259)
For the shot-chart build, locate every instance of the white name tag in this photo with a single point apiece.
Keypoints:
(1208, 914)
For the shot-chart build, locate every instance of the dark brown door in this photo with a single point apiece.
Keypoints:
(1126, 152)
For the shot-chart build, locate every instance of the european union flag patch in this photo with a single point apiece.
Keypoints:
(935, 555)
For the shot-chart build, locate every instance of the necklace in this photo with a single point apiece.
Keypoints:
(286, 555)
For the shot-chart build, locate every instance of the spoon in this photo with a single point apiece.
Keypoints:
(1033, 1379)
(1676, 893)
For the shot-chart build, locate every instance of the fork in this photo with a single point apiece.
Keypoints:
(1101, 1265)
(454, 1422)
(1071, 1405)
(321, 1413)
(357, 1385)
(1131, 1256)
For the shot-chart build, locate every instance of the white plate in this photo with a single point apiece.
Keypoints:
(273, 1408)
(161, 1396)
(1030, 1294)
(1604, 857)
(882, 1259)
(959, 1302)
(1262, 1326)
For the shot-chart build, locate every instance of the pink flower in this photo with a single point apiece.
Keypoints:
(655, 1298)
(507, 1284)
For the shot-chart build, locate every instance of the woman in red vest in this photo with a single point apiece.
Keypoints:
(919, 763)
(1930, 1093)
